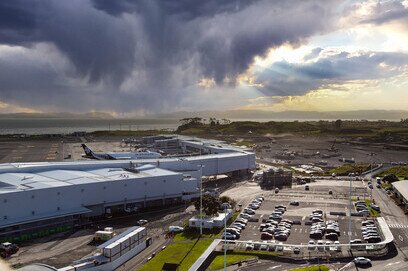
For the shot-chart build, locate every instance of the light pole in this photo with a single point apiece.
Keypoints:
(351, 175)
(201, 199)
(225, 239)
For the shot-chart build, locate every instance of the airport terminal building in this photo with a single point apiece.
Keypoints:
(37, 199)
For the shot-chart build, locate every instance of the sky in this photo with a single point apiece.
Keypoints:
(135, 58)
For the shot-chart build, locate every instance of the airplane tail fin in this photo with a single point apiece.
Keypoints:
(87, 150)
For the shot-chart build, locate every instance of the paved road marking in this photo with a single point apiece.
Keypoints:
(401, 238)
(273, 267)
(398, 226)
(389, 264)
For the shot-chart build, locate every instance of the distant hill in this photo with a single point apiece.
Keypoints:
(63, 115)
(291, 115)
(259, 115)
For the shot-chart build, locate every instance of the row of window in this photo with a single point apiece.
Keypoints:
(82, 190)
(32, 212)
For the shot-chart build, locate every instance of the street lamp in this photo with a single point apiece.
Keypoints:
(201, 198)
(225, 239)
(351, 175)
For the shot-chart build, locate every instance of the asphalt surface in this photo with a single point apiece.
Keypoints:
(31, 151)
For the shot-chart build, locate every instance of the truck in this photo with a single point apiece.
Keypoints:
(7, 249)
(104, 235)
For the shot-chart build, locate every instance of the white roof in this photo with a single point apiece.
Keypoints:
(10, 182)
(402, 187)
(121, 237)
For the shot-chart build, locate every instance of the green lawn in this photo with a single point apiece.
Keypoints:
(244, 143)
(348, 168)
(400, 171)
(239, 255)
(218, 262)
(312, 268)
(184, 253)
(184, 249)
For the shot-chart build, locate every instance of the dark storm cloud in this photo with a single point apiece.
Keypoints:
(186, 9)
(284, 78)
(130, 55)
(388, 11)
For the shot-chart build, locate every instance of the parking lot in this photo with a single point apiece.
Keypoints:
(316, 198)
(30, 151)
(299, 234)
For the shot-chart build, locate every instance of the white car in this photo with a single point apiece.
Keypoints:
(228, 236)
(311, 245)
(141, 222)
(254, 206)
(249, 245)
(249, 211)
(362, 261)
(246, 216)
(175, 229)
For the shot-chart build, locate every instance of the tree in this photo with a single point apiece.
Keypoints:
(213, 121)
(390, 178)
(211, 205)
(338, 124)
(225, 121)
(228, 200)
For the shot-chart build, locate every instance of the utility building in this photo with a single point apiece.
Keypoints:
(276, 178)
(37, 199)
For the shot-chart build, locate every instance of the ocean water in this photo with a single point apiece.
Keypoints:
(33, 126)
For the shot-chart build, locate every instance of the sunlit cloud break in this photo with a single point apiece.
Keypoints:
(140, 57)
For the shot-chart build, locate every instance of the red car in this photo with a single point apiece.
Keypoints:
(266, 236)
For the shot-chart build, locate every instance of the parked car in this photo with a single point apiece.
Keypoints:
(311, 245)
(367, 222)
(175, 229)
(249, 211)
(244, 215)
(294, 203)
(332, 236)
(233, 231)
(362, 261)
(238, 225)
(141, 222)
(228, 236)
(281, 237)
(249, 245)
(281, 207)
(375, 207)
(296, 250)
(264, 246)
(297, 222)
(266, 236)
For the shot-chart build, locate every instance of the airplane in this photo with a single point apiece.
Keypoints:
(119, 155)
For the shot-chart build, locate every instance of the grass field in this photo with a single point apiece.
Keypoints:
(373, 212)
(312, 268)
(184, 253)
(239, 255)
(349, 168)
(218, 262)
(400, 171)
(185, 248)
